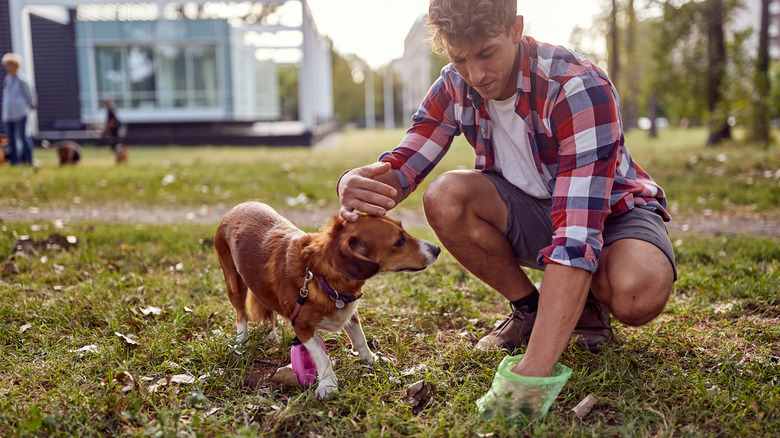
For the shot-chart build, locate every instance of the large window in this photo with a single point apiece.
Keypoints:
(165, 76)
(204, 68)
(110, 73)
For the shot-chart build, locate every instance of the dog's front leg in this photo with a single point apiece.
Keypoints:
(328, 383)
(355, 332)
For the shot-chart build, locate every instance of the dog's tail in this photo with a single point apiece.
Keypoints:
(259, 312)
(45, 144)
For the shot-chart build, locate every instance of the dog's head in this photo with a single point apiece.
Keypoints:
(358, 250)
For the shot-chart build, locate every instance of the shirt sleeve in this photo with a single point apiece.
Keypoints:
(586, 118)
(427, 140)
(29, 94)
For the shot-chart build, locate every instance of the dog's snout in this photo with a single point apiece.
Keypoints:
(432, 250)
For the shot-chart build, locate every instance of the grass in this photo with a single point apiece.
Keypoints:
(708, 366)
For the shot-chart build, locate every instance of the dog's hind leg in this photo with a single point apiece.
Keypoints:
(236, 288)
(355, 332)
(237, 295)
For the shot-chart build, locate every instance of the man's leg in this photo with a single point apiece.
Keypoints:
(27, 144)
(10, 132)
(634, 280)
(469, 217)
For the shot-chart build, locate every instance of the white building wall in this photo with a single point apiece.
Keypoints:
(414, 70)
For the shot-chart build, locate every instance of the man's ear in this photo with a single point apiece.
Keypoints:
(517, 29)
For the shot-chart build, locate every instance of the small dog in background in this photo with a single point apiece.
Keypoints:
(69, 152)
(3, 144)
(312, 279)
(120, 152)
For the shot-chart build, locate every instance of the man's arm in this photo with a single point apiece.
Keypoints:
(561, 300)
(372, 189)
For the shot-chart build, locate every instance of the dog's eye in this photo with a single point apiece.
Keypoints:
(401, 241)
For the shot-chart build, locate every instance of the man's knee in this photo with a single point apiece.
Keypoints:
(636, 301)
(638, 279)
(445, 199)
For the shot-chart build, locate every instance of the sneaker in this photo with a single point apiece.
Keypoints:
(512, 333)
(593, 330)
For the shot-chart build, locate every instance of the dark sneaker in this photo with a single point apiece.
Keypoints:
(512, 333)
(593, 330)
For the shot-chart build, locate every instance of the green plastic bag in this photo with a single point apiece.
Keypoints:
(521, 398)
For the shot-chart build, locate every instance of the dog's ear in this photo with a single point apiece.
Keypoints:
(354, 262)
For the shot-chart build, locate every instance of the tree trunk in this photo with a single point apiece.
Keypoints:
(614, 55)
(652, 112)
(631, 110)
(719, 127)
(760, 127)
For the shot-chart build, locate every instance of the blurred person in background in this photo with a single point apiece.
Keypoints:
(18, 100)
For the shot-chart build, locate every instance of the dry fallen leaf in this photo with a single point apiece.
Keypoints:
(182, 379)
(150, 310)
(418, 394)
(85, 349)
(126, 380)
(156, 386)
(128, 341)
(754, 407)
(10, 268)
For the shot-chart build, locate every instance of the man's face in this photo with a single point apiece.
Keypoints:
(489, 67)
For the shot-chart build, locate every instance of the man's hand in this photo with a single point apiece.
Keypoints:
(519, 397)
(561, 300)
(371, 189)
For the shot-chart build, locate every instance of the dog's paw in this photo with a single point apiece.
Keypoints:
(326, 389)
(375, 359)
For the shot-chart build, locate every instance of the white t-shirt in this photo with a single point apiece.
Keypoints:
(513, 152)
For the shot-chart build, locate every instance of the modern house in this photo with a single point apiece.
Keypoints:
(177, 73)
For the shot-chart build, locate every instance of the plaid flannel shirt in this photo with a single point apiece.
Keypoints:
(572, 116)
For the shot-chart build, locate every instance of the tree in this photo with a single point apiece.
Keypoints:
(288, 91)
(716, 50)
(348, 96)
(760, 120)
(614, 43)
(632, 71)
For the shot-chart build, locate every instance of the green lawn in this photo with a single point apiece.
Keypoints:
(149, 302)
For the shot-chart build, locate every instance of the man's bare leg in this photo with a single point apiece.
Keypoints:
(634, 280)
(469, 218)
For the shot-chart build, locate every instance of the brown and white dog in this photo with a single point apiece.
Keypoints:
(68, 151)
(262, 252)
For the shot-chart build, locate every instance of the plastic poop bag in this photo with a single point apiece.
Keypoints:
(520, 398)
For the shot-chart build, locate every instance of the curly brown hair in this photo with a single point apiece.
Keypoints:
(464, 23)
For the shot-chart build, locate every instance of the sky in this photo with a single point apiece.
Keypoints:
(375, 29)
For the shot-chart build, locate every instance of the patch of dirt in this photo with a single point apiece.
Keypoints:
(714, 224)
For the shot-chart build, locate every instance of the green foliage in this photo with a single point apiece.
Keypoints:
(288, 91)
(666, 64)
(348, 96)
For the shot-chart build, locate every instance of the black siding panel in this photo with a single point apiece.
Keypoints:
(56, 74)
(5, 42)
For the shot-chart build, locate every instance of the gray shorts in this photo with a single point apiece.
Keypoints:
(529, 225)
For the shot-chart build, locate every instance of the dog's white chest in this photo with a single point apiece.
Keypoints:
(335, 321)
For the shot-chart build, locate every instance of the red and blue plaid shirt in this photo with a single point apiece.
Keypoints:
(572, 115)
